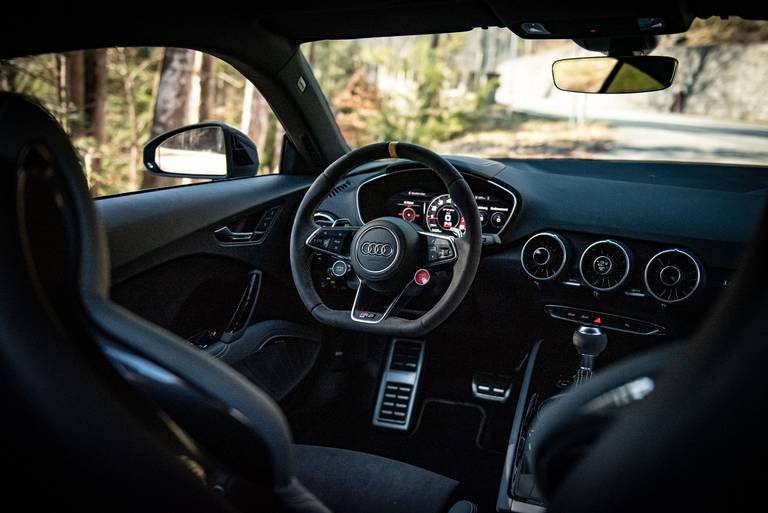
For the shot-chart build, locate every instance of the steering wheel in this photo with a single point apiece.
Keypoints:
(391, 257)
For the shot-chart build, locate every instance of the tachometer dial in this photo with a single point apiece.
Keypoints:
(444, 217)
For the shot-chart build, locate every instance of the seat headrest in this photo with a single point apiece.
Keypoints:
(61, 239)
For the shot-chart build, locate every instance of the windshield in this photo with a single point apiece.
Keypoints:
(489, 93)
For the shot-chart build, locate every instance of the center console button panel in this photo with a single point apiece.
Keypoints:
(604, 320)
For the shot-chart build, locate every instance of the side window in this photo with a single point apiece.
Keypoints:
(112, 101)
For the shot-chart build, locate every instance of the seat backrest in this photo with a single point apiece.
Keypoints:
(75, 360)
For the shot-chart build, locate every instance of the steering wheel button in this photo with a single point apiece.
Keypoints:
(421, 277)
(339, 268)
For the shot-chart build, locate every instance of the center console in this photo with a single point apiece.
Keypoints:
(542, 385)
(517, 491)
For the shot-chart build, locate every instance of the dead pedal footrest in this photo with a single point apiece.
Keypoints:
(397, 391)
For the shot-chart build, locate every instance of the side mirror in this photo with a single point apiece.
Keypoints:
(611, 75)
(205, 150)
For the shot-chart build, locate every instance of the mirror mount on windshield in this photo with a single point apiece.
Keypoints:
(620, 46)
(204, 150)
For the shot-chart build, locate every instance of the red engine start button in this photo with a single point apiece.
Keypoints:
(421, 277)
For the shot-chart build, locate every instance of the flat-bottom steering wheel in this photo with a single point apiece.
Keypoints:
(389, 255)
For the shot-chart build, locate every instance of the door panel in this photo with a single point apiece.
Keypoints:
(140, 224)
(171, 265)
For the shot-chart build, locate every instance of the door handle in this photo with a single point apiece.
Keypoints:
(244, 311)
(224, 234)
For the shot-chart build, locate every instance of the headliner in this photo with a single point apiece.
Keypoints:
(352, 19)
(299, 22)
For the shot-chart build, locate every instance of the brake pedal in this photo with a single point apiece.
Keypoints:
(399, 383)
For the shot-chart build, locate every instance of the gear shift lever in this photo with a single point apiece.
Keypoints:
(589, 343)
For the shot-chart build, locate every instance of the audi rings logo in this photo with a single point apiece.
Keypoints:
(376, 249)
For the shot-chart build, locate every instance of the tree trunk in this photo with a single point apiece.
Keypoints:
(207, 88)
(195, 96)
(278, 153)
(76, 91)
(7, 77)
(61, 90)
(133, 124)
(95, 110)
(255, 116)
(96, 93)
(171, 101)
(268, 152)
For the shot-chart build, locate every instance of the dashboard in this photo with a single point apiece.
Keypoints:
(639, 248)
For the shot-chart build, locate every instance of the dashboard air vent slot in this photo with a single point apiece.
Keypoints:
(604, 265)
(672, 275)
(544, 256)
(336, 190)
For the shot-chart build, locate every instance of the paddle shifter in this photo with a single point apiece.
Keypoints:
(589, 343)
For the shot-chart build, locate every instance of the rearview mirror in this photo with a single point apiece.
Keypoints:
(612, 75)
(205, 150)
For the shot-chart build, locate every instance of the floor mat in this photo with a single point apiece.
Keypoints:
(449, 438)
(452, 432)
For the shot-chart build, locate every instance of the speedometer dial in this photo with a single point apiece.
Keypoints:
(445, 217)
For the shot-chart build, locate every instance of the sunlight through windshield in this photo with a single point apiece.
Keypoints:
(489, 93)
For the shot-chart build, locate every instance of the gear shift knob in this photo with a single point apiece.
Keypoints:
(589, 343)
(589, 340)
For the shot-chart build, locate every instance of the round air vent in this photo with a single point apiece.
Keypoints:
(672, 275)
(543, 256)
(604, 265)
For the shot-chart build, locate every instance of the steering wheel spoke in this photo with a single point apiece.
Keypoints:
(372, 307)
(441, 250)
(333, 240)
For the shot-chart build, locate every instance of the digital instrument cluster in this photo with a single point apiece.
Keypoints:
(419, 197)
(438, 214)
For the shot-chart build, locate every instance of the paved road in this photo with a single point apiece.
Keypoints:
(676, 143)
(657, 136)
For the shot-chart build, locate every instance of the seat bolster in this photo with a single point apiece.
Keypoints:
(295, 498)
(355, 482)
